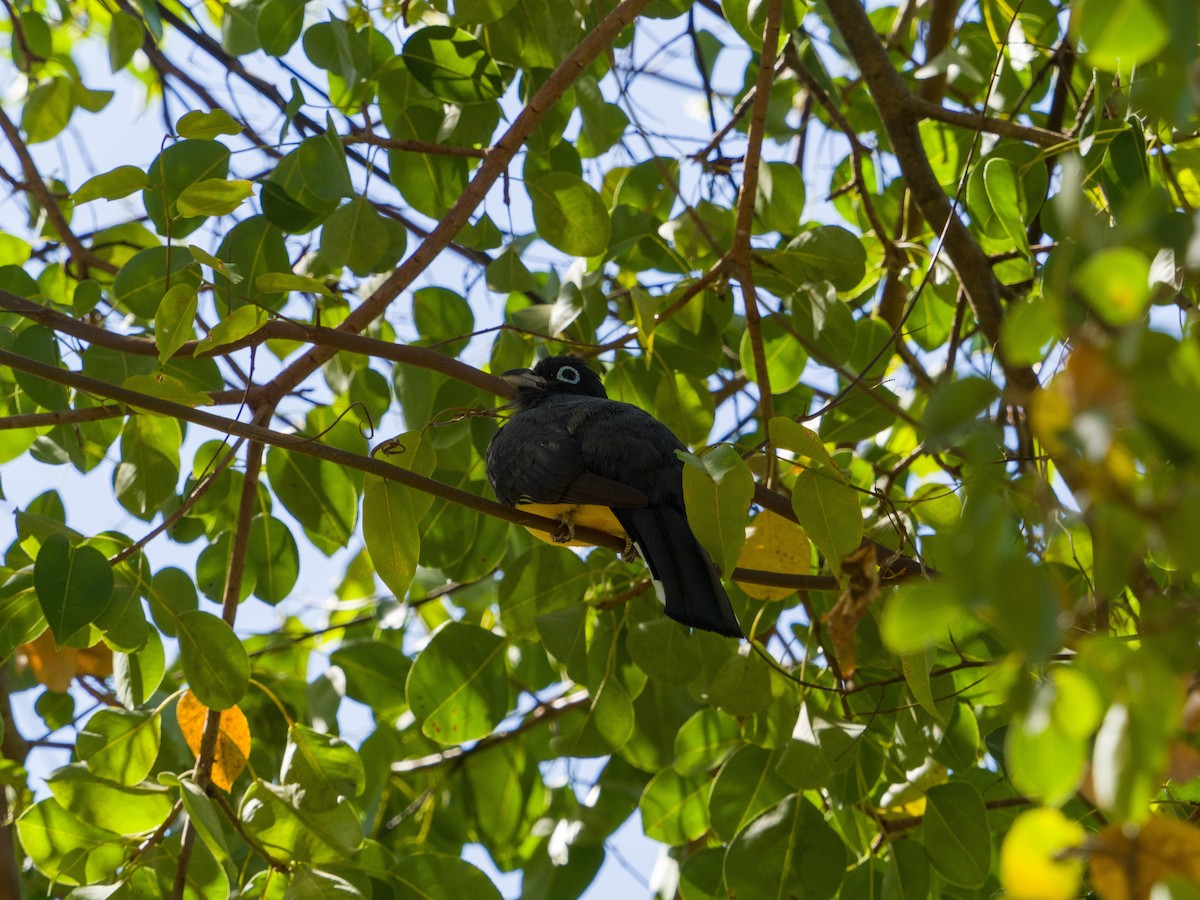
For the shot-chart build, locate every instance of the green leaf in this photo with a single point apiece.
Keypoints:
(120, 745)
(375, 673)
(40, 344)
(779, 201)
(207, 125)
(213, 197)
(787, 851)
(746, 786)
(705, 741)
(214, 661)
(125, 37)
(319, 494)
(717, 490)
(271, 817)
(322, 768)
(452, 65)
(674, 807)
(1004, 192)
(742, 685)
(138, 674)
(785, 356)
(390, 532)
(443, 318)
(1116, 284)
(354, 236)
(166, 388)
(920, 613)
(238, 324)
(202, 813)
(279, 25)
(149, 469)
(124, 809)
(48, 109)
(915, 666)
(120, 182)
(174, 320)
(569, 214)
(479, 12)
(955, 407)
(828, 511)
(143, 281)
(458, 686)
(1120, 34)
(604, 728)
(65, 849)
(252, 248)
(437, 876)
(176, 168)
(73, 585)
(665, 650)
(955, 834)
(1027, 330)
(280, 282)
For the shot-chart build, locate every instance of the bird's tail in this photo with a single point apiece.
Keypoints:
(690, 587)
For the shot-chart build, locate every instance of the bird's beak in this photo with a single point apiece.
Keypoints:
(524, 379)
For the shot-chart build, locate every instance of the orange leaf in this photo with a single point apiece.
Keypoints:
(53, 667)
(233, 738)
(96, 660)
(56, 666)
(1127, 868)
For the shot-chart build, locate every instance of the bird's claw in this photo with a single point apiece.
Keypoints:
(629, 554)
(565, 533)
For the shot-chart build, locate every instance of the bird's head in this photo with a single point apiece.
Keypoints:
(555, 375)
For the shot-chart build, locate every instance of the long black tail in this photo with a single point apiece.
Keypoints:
(691, 590)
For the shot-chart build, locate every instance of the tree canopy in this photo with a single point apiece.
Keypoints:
(917, 285)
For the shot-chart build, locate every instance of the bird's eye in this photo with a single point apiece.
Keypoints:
(568, 374)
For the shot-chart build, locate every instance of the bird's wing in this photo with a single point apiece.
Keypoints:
(536, 458)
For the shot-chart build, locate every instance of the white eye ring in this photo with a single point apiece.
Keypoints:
(568, 374)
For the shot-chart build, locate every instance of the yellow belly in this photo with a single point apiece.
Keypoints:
(599, 517)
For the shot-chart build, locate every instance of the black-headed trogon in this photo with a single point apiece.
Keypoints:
(569, 452)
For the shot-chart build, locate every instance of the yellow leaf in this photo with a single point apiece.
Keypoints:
(774, 544)
(1036, 861)
(1126, 866)
(233, 738)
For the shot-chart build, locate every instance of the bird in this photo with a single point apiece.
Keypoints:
(570, 453)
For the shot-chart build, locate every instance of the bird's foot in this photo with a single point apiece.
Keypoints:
(565, 533)
(629, 554)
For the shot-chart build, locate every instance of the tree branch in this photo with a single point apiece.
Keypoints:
(893, 101)
(486, 175)
(742, 258)
(370, 465)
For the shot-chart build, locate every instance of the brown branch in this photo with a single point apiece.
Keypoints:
(366, 464)
(1041, 137)
(247, 506)
(13, 748)
(540, 715)
(180, 511)
(376, 140)
(745, 219)
(317, 335)
(61, 417)
(892, 100)
(82, 256)
(496, 163)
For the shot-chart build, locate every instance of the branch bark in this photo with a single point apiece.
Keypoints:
(894, 102)
(310, 447)
(496, 163)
